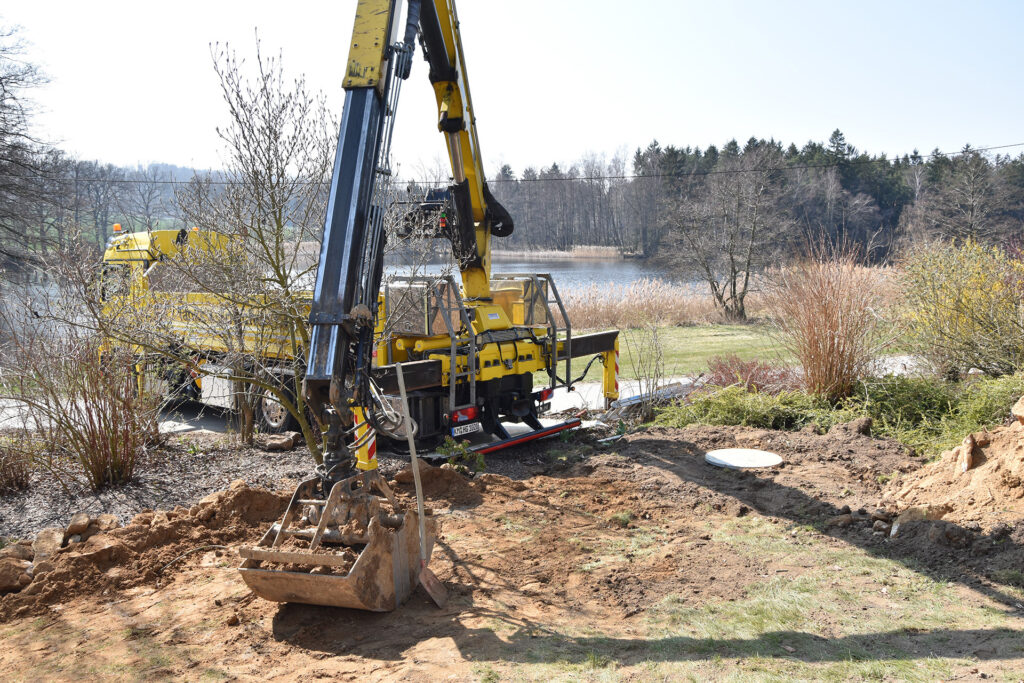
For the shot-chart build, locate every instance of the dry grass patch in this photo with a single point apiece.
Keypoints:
(645, 302)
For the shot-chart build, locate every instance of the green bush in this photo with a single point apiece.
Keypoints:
(735, 405)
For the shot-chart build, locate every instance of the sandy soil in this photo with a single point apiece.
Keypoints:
(594, 544)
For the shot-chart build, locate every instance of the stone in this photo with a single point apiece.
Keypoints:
(841, 521)
(965, 454)
(103, 550)
(944, 533)
(79, 523)
(1018, 410)
(982, 438)
(881, 515)
(862, 425)
(233, 620)
(14, 574)
(107, 522)
(879, 525)
(18, 552)
(47, 542)
(296, 438)
(845, 510)
(77, 538)
(144, 518)
(279, 442)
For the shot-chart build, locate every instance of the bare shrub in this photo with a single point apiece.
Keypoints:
(648, 364)
(645, 302)
(15, 468)
(826, 312)
(79, 408)
(752, 375)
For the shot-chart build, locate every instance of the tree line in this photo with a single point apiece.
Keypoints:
(824, 190)
(713, 211)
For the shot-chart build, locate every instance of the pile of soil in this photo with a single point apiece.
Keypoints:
(989, 493)
(139, 552)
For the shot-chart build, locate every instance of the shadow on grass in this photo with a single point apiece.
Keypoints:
(333, 631)
(768, 497)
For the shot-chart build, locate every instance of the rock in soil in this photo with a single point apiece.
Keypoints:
(17, 551)
(1018, 410)
(971, 483)
(48, 541)
(106, 522)
(79, 523)
(840, 521)
(279, 442)
(14, 574)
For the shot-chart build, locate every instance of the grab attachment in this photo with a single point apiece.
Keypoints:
(355, 548)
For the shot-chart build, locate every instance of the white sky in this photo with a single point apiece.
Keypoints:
(132, 82)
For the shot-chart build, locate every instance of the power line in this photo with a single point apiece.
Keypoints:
(629, 176)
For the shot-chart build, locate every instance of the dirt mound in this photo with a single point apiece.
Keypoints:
(141, 552)
(440, 484)
(989, 491)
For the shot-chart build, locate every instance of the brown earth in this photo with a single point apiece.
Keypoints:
(988, 493)
(604, 535)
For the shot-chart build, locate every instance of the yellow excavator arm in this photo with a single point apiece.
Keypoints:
(456, 119)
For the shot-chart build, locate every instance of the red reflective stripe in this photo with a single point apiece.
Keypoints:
(526, 438)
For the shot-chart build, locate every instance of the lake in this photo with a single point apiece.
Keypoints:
(571, 274)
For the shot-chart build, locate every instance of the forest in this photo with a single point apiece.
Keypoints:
(670, 202)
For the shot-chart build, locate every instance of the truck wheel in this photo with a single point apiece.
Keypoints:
(273, 417)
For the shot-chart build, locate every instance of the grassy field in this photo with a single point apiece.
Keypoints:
(686, 350)
(836, 613)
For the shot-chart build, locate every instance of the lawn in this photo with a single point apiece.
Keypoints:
(686, 349)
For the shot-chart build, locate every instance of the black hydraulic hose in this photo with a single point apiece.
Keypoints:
(552, 373)
(412, 25)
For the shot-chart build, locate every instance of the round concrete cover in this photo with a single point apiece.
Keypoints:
(741, 458)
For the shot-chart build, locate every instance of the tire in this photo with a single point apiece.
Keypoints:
(272, 417)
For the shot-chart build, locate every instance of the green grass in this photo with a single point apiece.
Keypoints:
(686, 349)
(839, 613)
(927, 415)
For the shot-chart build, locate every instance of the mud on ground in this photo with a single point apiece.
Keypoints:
(595, 567)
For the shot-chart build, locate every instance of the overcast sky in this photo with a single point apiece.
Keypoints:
(552, 81)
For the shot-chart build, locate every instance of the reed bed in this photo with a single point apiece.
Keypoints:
(645, 302)
(594, 253)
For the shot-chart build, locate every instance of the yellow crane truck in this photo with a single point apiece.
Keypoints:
(468, 350)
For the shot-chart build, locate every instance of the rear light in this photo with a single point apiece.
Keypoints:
(465, 414)
(544, 394)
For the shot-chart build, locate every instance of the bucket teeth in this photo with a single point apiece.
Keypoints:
(347, 550)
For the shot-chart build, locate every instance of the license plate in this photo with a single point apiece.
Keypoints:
(460, 430)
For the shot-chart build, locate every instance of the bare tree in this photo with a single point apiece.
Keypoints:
(279, 143)
(146, 199)
(966, 198)
(20, 160)
(728, 225)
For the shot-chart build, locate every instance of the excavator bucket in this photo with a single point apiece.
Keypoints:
(347, 550)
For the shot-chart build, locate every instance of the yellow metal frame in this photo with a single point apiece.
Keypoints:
(367, 53)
